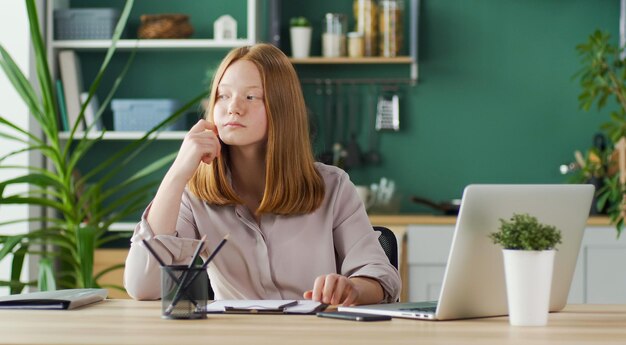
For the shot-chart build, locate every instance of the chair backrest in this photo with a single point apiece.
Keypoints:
(389, 243)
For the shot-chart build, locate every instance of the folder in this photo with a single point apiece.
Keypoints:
(59, 299)
(71, 77)
(265, 306)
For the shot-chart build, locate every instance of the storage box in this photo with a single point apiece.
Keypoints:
(85, 23)
(144, 114)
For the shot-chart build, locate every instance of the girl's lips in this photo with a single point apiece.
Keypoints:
(233, 124)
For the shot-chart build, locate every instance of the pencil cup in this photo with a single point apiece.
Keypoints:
(182, 297)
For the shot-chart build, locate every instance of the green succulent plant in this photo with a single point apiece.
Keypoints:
(299, 21)
(524, 232)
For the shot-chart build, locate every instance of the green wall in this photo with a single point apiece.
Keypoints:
(496, 100)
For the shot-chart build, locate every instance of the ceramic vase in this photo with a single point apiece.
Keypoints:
(300, 41)
(528, 284)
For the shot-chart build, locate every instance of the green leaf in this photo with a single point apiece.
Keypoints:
(9, 244)
(299, 21)
(49, 116)
(46, 281)
(16, 269)
(86, 245)
(524, 232)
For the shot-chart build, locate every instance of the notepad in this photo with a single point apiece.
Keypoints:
(59, 299)
(265, 306)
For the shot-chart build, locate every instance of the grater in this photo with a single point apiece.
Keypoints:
(388, 112)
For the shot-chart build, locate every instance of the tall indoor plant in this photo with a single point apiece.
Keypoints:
(80, 209)
(603, 77)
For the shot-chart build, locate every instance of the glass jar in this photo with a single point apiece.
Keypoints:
(365, 14)
(334, 35)
(391, 27)
(355, 44)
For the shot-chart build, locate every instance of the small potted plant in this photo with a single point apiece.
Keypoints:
(528, 249)
(300, 33)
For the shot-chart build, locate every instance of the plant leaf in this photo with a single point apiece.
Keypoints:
(46, 281)
(86, 244)
(16, 269)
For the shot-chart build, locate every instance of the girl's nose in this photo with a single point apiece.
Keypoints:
(235, 106)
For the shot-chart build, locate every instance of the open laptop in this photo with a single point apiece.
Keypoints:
(474, 283)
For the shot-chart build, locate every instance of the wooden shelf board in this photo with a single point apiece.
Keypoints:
(157, 44)
(350, 60)
(113, 135)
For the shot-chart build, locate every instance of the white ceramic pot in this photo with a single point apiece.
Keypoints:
(300, 41)
(528, 283)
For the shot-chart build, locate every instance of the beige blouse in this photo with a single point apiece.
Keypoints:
(278, 259)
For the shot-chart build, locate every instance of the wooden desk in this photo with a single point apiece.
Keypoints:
(132, 322)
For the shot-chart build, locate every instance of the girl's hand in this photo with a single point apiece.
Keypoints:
(201, 144)
(333, 289)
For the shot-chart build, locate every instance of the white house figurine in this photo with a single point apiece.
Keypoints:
(225, 28)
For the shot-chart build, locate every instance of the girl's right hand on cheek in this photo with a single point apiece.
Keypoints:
(201, 144)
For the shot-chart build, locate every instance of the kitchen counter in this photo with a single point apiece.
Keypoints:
(429, 219)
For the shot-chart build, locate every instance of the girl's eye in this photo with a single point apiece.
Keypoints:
(251, 97)
(222, 96)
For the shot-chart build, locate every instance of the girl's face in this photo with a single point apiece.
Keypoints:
(239, 111)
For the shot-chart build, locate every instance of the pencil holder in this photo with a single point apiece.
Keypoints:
(184, 292)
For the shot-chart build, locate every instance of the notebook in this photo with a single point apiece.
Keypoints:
(59, 299)
(265, 306)
(474, 284)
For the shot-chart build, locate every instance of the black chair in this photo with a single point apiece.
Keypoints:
(389, 243)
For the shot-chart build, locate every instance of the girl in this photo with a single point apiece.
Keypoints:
(297, 228)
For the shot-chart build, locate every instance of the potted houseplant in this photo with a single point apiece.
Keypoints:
(79, 209)
(602, 78)
(300, 34)
(528, 249)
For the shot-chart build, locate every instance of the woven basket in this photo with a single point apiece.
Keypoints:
(165, 26)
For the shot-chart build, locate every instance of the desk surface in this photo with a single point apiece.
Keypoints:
(133, 322)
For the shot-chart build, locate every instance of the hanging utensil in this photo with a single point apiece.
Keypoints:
(353, 151)
(339, 152)
(388, 110)
(326, 156)
(372, 156)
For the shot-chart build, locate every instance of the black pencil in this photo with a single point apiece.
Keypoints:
(168, 271)
(183, 279)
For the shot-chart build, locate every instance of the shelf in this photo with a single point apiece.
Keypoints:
(123, 226)
(113, 135)
(351, 60)
(153, 44)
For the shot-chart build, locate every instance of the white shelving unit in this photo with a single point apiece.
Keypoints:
(152, 45)
(54, 46)
(127, 44)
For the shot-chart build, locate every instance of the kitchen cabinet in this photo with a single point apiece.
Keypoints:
(600, 276)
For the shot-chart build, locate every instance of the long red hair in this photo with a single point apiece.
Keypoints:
(292, 184)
